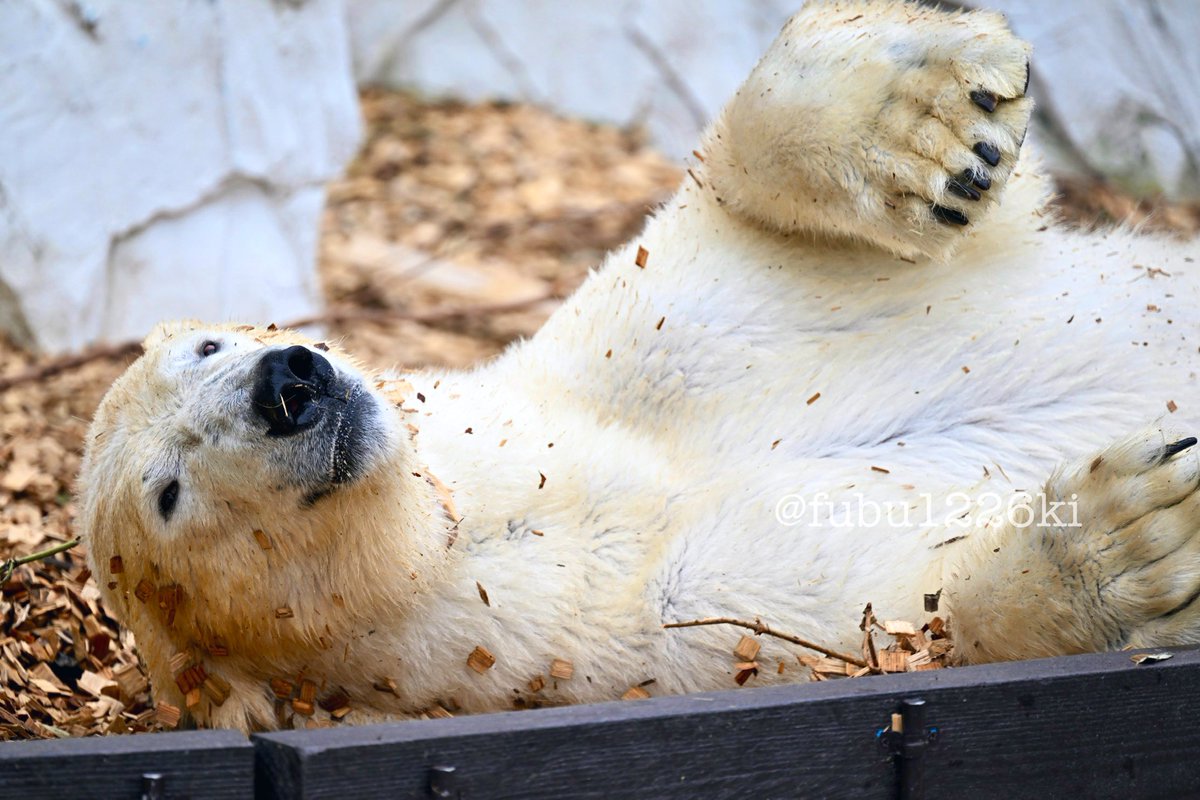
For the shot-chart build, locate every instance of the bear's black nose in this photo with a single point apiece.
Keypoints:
(288, 389)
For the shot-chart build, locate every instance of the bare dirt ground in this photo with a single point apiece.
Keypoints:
(448, 206)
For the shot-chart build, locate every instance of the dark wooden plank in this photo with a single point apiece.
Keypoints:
(1094, 726)
(193, 764)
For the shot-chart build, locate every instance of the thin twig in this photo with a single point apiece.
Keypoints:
(9, 567)
(760, 628)
(350, 314)
(333, 316)
(70, 362)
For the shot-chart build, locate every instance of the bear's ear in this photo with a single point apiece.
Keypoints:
(165, 331)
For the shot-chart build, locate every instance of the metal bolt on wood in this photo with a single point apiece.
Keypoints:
(907, 739)
(443, 783)
(153, 786)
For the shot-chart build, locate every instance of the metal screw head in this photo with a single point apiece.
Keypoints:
(443, 782)
(153, 786)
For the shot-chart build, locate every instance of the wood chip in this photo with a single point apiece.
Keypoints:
(217, 688)
(191, 678)
(635, 693)
(167, 715)
(1171, 407)
(284, 612)
(131, 682)
(281, 688)
(437, 712)
(144, 590)
(334, 700)
(116, 565)
(170, 598)
(445, 495)
(747, 648)
(263, 540)
(537, 683)
(642, 255)
(480, 660)
(179, 662)
(1150, 658)
(896, 627)
(893, 661)
(919, 659)
(562, 669)
(97, 685)
(302, 708)
(744, 675)
(483, 595)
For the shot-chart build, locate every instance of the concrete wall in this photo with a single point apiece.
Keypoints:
(165, 159)
(1118, 81)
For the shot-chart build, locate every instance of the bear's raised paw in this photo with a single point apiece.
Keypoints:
(887, 122)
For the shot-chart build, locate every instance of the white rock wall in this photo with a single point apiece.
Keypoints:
(1118, 81)
(165, 159)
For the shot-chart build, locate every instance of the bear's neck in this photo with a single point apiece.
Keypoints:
(368, 555)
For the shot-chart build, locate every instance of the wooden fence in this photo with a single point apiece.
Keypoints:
(1086, 726)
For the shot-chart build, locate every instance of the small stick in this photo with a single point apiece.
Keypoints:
(759, 628)
(341, 314)
(8, 567)
(332, 316)
(70, 362)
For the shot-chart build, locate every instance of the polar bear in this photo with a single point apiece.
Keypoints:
(855, 301)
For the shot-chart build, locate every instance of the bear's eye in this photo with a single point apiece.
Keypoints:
(208, 348)
(167, 499)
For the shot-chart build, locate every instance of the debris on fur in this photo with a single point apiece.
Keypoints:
(912, 649)
(427, 216)
(1150, 658)
(562, 669)
(481, 660)
(635, 693)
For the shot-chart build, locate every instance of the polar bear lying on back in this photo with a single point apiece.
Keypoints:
(858, 302)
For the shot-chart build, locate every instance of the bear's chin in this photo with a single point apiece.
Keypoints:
(344, 447)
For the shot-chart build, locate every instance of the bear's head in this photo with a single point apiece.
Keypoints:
(243, 489)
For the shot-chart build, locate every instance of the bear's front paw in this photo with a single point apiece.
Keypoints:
(886, 122)
(950, 129)
(1135, 542)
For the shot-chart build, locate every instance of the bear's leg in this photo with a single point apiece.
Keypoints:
(887, 122)
(1117, 563)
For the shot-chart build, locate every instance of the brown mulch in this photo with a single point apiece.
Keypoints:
(448, 205)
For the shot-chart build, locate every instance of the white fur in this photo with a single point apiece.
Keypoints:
(676, 398)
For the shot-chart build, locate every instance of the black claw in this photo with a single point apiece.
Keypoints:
(949, 215)
(977, 177)
(1026, 89)
(962, 190)
(985, 100)
(1178, 447)
(987, 152)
